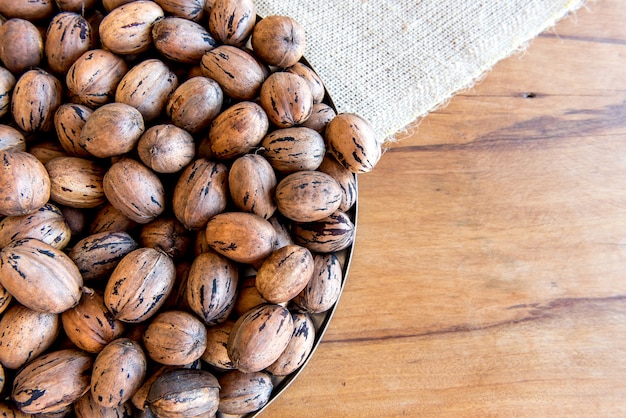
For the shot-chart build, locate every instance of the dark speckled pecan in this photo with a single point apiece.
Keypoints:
(94, 76)
(24, 182)
(69, 120)
(69, 35)
(252, 183)
(345, 178)
(187, 9)
(259, 337)
(36, 97)
(287, 99)
(327, 235)
(200, 193)
(240, 236)
(237, 71)
(184, 393)
(118, 372)
(86, 407)
(299, 347)
(315, 82)
(212, 287)
(232, 21)
(324, 288)
(76, 182)
(52, 381)
(243, 393)
(195, 103)
(294, 149)
(147, 87)
(139, 285)
(182, 40)
(215, 353)
(27, 264)
(306, 196)
(25, 334)
(320, 116)
(284, 273)
(175, 338)
(279, 40)
(352, 141)
(47, 224)
(237, 130)
(111, 130)
(127, 29)
(89, 325)
(135, 190)
(97, 255)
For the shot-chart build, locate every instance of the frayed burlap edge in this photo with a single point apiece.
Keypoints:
(410, 128)
(375, 57)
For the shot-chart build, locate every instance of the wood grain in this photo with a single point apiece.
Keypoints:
(489, 272)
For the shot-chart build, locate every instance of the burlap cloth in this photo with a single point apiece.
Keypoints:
(394, 61)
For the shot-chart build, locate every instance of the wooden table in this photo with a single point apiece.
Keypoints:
(489, 276)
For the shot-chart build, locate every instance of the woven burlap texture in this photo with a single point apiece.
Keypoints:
(393, 62)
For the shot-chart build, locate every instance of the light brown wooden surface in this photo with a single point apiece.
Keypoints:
(489, 276)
